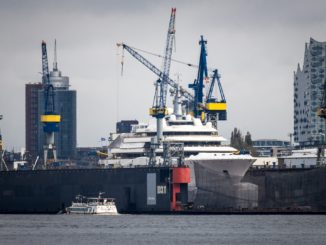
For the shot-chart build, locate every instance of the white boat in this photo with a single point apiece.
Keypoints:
(93, 205)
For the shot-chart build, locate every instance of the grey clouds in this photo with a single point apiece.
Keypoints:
(256, 46)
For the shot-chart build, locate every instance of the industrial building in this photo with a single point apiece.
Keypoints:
(308, 93)
(269, 147)
(65, 104)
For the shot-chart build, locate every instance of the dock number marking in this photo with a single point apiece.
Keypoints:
(161, 189)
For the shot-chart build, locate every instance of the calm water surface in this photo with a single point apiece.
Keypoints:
(162, 229)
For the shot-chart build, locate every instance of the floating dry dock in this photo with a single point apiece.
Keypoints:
(136, 190)
(158, 190)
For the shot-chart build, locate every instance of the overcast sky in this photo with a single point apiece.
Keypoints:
(256, 46)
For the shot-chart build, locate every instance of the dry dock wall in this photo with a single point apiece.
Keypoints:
(290, 188)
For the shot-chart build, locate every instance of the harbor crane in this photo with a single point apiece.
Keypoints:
(50, 118)
(215, 109)
(159, 109)
(212, 109)
(198, 84)
(212, 106)
(187, 95)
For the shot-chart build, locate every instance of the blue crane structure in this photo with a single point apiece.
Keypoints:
(198, 85)
(215, 108)
(50, 119)
(187, 95)
(159, 109)
(212, 109)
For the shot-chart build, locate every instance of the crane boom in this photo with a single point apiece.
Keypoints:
(167, 58)
(49, 106)
(45, 64)
(187, 95)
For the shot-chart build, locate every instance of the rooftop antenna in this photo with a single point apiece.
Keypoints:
(55, 63)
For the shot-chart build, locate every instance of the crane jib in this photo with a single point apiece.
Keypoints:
(187, 95)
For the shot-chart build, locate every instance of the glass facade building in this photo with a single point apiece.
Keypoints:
(309, 81)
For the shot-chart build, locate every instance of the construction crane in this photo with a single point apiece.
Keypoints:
(212, 109)
(186, 94)
(209, 108)
(50, 119)
(174, 60)
(159, 109)
(198, 84)
(215, 109)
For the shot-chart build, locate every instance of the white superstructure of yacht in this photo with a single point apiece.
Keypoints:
(196, 137)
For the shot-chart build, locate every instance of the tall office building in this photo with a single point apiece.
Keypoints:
(32, 117)
(309, 81)
(65, 105)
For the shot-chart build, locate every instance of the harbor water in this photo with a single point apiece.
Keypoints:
(162, 229)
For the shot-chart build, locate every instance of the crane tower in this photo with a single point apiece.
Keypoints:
(159, 110)
(50, 119)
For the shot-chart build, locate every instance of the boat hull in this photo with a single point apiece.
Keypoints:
(216, 184)
(92, 209)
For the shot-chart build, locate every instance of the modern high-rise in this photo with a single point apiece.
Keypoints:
(309, 81)
(32, 117)
(65, 105)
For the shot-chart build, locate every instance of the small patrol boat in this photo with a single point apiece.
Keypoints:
(93, 205)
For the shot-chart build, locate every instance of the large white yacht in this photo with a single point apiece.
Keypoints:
(216, 169)
(200, 142)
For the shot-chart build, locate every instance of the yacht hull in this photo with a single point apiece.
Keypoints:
(216, 184)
